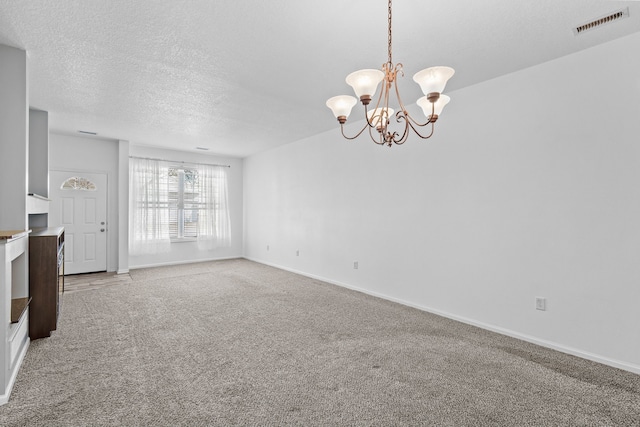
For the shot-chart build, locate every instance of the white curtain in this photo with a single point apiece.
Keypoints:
(214, 229)
(148, 207)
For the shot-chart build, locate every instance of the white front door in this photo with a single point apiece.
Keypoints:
(79, 204)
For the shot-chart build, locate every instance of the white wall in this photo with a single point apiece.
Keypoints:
(86, 154)
(188, 251)
(14, 144)
(123, 207)
(39, 152)
(14, 175)
(38, 162)
(530, 187)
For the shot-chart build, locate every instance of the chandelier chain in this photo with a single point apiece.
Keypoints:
(390, 62)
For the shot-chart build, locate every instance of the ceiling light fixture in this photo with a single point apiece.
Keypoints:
(365, 82)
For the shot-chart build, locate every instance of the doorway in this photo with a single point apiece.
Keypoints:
(79, 204)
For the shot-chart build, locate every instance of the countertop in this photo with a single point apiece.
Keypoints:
(12, 234)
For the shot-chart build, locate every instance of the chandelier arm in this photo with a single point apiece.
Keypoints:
(400, 115)
(401, 103)
(420, 135)
(400, 70)
(387, 88)
(366, 112)
(395, 140)
(351, 137)
(400, 141)
(380, 142)
(415, 122)
(366, 115)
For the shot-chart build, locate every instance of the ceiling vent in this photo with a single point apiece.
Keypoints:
(607, 19)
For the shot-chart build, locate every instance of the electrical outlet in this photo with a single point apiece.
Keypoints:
(298, 252)
(541, 304)
(355, 265)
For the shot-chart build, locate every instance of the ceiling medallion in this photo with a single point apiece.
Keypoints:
(365, 82)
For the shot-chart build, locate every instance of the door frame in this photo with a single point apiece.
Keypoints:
(106, 174)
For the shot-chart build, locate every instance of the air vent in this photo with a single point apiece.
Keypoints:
(615, 16)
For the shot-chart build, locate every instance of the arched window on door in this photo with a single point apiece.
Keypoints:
(78, 183)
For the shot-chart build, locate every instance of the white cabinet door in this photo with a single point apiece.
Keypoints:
(79, 204)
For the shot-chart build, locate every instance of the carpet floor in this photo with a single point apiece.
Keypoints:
(238, 343)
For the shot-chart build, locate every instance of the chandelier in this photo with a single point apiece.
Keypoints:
(365, 83)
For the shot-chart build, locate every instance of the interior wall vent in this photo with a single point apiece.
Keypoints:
(615, 16)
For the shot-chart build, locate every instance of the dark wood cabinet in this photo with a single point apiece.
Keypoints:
(46, 280)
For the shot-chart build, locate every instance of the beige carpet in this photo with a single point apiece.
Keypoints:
(238, 343)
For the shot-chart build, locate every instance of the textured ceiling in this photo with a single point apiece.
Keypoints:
(243, 76)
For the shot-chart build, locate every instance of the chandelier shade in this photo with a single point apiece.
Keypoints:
(341, 105)
(365, 83)
(433, 79)
(430, 109)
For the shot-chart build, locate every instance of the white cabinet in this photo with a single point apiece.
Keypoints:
(37, 204)
(14, 294)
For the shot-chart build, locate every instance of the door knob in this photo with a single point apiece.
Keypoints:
(102, 223)
(102, 229)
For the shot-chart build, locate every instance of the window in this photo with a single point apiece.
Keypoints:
(78, 183)
(177, 203)
(184, 203)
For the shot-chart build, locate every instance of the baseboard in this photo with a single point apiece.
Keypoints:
(4, 398)
(508, 332)
(122, 271)
(189, 261)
